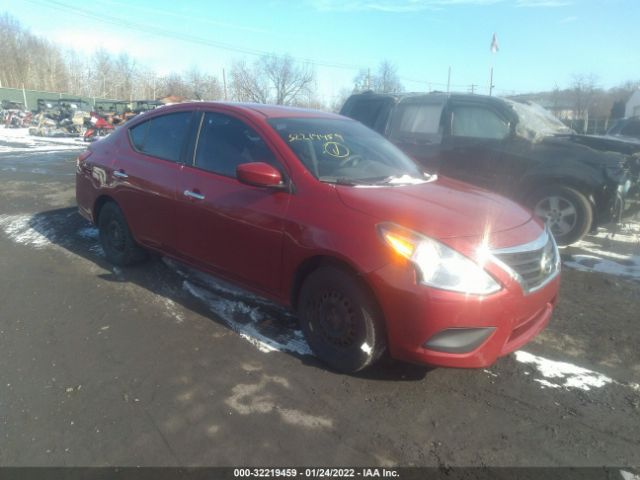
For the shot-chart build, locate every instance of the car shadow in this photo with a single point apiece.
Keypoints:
(268, 326)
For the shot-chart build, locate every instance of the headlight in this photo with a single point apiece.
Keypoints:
(616, 171)
(438, 265)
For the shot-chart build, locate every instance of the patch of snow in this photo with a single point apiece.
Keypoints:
(215, 284)
(244, 319)
(563, 374)
(591, 263)
(90, 233)
(27, 230)
(18, 140)
(628, 475)
(172, 308)
(607, 251)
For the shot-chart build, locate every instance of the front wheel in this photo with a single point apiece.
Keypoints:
(341, 320)
(117, 242)
(566, 212)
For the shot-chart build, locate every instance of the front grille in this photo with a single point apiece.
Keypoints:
(534, 264)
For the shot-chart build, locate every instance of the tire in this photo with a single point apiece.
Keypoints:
(567, 212)
(117, 242)
(341, 320)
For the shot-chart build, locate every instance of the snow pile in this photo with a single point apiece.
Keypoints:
(613, 253)
(562, 374)
(18, 140)
(264, 324)
(245, 320)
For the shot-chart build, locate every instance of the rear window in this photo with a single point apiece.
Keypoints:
(368, 111)
(163, 136)
(416, 120)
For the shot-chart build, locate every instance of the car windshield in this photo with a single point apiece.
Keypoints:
(346, 152)
(534, 122)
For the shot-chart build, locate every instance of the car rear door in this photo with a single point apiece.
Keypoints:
(145, 173)
(223, 224)
(416, 128)
(475, 136)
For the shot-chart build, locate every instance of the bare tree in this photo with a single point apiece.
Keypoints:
(202, 85)
(174, 85)
(248, 84)
(272, 79)
(290, 81)
(386, 79)
(583, 89)
(362, 81)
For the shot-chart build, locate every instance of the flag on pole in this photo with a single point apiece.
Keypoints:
(494, 44)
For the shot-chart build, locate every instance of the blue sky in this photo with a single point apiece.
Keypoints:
(543, 43)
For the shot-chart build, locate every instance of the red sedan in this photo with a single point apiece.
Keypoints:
(321, 214)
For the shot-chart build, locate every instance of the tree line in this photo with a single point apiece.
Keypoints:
(33, 62)
(30, 61)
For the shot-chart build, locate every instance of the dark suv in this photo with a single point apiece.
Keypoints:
(574, 182)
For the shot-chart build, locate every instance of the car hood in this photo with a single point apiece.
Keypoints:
(597, 144)
(441, 209)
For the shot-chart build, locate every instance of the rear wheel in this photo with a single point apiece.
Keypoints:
(340, 320)
(566, 211)
(117, 242)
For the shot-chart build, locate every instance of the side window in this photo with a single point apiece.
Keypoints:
(367, 110)
(414, 121)
(225, 142)
(163, 136)
(631, 129)
(138, 134)
(478, 122)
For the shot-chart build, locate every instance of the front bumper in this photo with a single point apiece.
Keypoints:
(416, 313)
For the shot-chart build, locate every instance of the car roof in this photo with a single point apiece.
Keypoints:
(264, 110)
(407, 96)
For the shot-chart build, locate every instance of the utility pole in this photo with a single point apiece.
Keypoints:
(473, 88)
(368, 79)
(24, 97)
(491, 85)
(224, 84)
(449, 81)
(154, 86)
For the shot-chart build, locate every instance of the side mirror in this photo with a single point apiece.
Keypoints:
(259, 174)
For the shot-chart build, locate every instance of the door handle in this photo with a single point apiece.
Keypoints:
(120, 174)
(194, 195)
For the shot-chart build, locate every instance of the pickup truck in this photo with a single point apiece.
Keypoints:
(573, 182)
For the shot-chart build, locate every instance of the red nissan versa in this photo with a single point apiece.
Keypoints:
(322, 214)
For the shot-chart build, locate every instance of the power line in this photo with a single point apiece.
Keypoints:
(185, 37)
(155, 30)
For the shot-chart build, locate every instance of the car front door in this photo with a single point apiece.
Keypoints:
(225, 225)
(475, 136)
(145, 173)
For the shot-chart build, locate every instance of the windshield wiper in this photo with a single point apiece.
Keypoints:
(401, 179)
(343, 181)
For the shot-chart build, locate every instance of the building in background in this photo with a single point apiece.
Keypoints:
(632, 108)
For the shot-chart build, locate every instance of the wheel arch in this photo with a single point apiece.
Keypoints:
(531, 185)
(100, 202)
(311, 264)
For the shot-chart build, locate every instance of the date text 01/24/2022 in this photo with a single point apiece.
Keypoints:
(315, 472)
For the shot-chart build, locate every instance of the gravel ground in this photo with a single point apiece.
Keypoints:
(163, 365)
